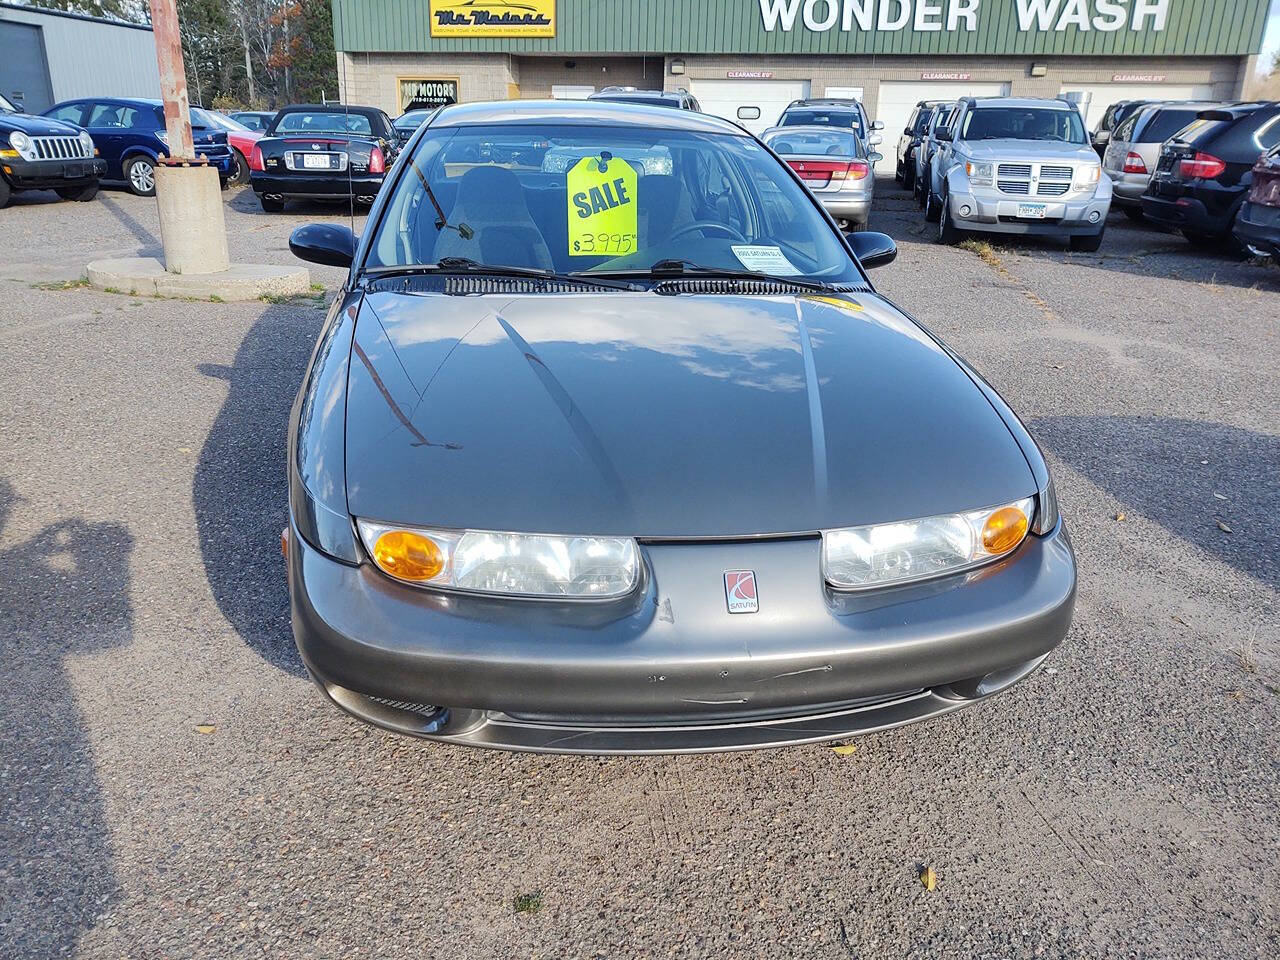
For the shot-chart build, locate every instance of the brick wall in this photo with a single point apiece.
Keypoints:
(370, 79)
(536, 75)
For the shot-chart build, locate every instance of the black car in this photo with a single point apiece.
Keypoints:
(322, 152)
(1205, 171)
(1258, 225)
(38, 153)
(678, 99)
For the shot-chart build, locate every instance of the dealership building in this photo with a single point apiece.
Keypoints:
(739, 55)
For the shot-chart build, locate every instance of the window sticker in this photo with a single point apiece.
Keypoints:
(602, 207)
(765, 259)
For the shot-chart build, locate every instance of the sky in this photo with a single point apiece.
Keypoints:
(1271, 38)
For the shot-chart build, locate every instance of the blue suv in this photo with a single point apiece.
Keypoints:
(130, 136)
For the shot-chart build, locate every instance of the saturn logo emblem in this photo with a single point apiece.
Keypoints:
(740, 591)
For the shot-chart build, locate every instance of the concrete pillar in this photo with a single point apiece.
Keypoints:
(192, 227)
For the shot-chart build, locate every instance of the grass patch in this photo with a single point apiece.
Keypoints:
(76, 284)
(982, 250)
(317, 288)
(528, 902)
(112, 290)
(214, 298)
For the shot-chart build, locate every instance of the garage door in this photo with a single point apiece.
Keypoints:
(899, 98)
(724, 97)
(1103, 95)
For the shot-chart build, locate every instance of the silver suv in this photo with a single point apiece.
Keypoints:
(1007, 165)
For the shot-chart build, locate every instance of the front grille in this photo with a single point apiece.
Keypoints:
(60, 148)
(1021, 187)
(1053, 189)
(1015, 170)
(1056, 173)
(1051, 180)
(424, 709)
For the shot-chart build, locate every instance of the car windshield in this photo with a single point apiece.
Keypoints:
(849, 119)
(312, 122)
(203, 119)
(815, 143)
(599, 199)
(1023, 123)
(412, 120)
(6, 106)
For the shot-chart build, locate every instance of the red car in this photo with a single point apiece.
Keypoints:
(241, 140)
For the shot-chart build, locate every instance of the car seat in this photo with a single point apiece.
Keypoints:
(491, 205)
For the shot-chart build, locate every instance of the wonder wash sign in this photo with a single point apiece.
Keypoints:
(1106, 16)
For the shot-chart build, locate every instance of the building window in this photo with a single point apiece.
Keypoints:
(420, 92)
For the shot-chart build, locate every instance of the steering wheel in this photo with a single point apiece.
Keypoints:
(731, 232)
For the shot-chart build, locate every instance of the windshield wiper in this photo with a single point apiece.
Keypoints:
(458, 266)
(664, 269)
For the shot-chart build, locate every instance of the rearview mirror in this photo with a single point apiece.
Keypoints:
(748, 113)
(329, 243)
(872, 249)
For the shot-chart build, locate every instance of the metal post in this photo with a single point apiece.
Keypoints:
(173, 79)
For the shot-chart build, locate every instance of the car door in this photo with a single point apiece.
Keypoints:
(942, 158)
(105, 121)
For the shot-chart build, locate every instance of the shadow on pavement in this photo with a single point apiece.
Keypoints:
(64, 592)
(240, 495)
(1157, 466)
(150, 242)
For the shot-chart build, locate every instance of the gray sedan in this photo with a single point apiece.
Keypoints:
(834, 164)
(611, 456)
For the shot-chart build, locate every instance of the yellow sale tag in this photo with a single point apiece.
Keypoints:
(602, 208)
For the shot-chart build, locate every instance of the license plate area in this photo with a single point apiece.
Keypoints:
(314, 161)
(1031, 211)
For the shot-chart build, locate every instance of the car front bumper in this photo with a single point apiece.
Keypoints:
(996, 213)
(50, 174)
(669, 670)
(311, 186)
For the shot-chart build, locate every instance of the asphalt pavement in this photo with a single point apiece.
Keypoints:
(171, 784)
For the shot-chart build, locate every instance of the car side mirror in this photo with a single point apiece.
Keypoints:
(877, 124)
(942, 136)
(872, 249)
(875, 156)
(329, 243)
(906, 131)
(875, 140)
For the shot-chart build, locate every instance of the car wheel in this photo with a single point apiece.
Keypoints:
(239, 169)
(898, 174)
(1087, 244)
(931, 207)
(5, 192)
(1134, 213)
(82, 194)
(909, 177)
(948, 233)
(140, 173)
(271, 206)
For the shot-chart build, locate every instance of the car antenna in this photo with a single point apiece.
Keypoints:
(346, 122)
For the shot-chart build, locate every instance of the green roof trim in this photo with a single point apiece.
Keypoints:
(977, 27)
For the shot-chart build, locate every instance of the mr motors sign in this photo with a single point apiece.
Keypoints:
(1105, 16)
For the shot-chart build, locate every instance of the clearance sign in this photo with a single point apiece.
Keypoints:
(493, 18)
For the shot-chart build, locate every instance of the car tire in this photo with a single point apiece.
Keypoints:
(909, 177)
(948, 233)
(271, 206)
(80, 194)
(5, 192)
(240, 170)
(931, 208)
(898, 173)
(1088, 243)
(1134, 213)
(140, 174)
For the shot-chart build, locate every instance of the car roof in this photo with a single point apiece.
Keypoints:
(582, 111)
(810, 128)
(327, 108)
(1043, 103)
(622, 92)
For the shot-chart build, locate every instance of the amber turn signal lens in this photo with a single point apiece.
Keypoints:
(408, 556)
(1004, 530)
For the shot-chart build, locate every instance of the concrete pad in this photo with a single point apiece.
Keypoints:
(146, 276)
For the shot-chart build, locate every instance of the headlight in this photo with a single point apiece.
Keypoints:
(1087, 176)
(980, 174)
(515, 564)
(22, 143)
(882, 554)
(86, 142)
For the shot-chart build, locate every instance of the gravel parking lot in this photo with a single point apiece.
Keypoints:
(171, 785)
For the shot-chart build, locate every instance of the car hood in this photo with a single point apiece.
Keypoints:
(663, 416)
(36, 126)
(1028, 151)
